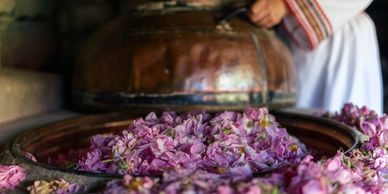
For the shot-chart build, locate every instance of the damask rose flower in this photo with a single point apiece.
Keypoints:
(93, 161)
(328, 176)
(11, 176)
(368, 122)
(263, 185)
(225, 189)
(55, 187)
(131, 185)
(191, 181)
(30, 156)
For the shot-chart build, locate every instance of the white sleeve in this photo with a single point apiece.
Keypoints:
(311, 21)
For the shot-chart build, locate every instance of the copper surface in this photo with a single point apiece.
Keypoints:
(182, 58)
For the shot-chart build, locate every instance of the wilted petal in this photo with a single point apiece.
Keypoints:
(11, 176)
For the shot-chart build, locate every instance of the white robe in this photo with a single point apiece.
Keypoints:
(337, 62)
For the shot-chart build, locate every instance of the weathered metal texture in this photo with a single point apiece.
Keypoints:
(323, 135)
(178, 57)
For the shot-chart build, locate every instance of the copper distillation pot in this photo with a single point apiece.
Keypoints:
(183, 56)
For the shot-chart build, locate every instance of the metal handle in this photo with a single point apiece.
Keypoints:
(229, 16)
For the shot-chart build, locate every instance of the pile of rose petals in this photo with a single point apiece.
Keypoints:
(364, 170)
(201, 153)
(227, 143)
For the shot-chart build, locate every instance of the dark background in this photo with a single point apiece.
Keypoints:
(379, 13)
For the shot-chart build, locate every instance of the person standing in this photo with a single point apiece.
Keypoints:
(335, 50)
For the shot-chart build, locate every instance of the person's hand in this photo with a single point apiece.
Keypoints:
(268, 13)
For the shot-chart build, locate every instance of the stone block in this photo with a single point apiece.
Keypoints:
(25, 93)
(7, 6)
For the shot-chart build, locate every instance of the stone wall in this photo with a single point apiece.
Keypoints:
(47, 34)
(42, 35)
(27, 34)
(26, 93)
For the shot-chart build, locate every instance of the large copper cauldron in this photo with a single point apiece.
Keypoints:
(323, 135)
(178, 56)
